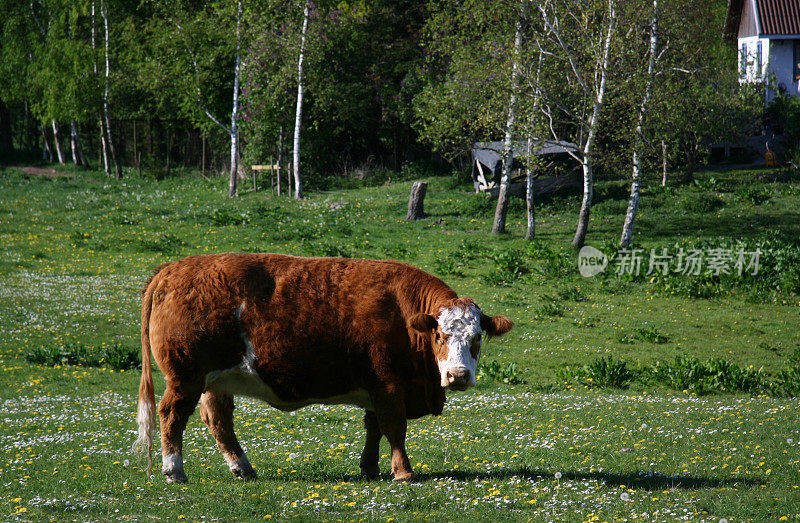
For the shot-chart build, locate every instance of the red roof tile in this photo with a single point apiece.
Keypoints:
(779, 17)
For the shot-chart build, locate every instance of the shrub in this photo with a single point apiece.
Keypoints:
(602, 372)
(701, 203)
(754, 194)
(715, 375)
(121, 357)
(504, 373)
(448, 265)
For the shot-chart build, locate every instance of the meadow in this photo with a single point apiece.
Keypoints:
(618, 397)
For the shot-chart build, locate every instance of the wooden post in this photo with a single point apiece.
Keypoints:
(416, 200)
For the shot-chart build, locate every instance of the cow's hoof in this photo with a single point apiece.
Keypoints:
(370, 473)
(244, 474)
(405, 477)
(176, 477)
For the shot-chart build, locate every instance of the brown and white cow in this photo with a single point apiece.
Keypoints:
(291, 331)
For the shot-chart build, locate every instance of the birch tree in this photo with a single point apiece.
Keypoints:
(298, 183)
(638, 139)
(499, 224)
(579, 38)
(107, 92)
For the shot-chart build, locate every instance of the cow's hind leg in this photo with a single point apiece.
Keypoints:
(371, 452)
(174, 410)
(391, 415)
(216, 409)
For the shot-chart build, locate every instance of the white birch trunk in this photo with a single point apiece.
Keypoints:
(588, 148)
(499, 224)
(298, 185)
(75, 143)
(638, 143)
(107, 95)
(47, 152)
(57, 142)
(530, 232)
(235, 110)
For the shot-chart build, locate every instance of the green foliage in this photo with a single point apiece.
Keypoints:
(714, 375)
(602, 372)
(509, 266)
(754, 194)
(116, 356)
(501, 372)
(165, 243)
(701, 203)
(448, 265)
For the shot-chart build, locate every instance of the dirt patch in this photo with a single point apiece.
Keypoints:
(40, 171)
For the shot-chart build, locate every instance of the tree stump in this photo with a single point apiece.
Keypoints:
(416, 200)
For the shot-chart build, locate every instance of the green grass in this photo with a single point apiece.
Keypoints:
(77, 250)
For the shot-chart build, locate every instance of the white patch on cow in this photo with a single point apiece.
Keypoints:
(243, 380)
(461, 325)
(172, 465)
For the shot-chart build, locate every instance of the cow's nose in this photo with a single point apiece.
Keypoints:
(458, 377)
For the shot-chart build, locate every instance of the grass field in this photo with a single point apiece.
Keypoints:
(547, 444)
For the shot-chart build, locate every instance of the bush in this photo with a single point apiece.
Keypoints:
(602, 372)
(714, 375)
(118, 357)
(504, 373)
(753, 194)
(448, 265)
(701, 203)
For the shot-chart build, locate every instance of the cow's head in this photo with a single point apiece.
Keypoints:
(456, 337)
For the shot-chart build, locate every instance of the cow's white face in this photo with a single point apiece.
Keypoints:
(458, 337)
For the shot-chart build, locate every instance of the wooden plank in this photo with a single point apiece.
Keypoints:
(273, 167)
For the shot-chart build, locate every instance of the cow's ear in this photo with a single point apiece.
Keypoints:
(495, 325)
(422, 322)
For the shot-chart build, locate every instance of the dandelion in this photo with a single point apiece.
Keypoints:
(790, 441)
(625, 496)
(557, 475)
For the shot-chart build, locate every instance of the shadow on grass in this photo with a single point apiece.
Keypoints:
(644, 481)
(650, 481)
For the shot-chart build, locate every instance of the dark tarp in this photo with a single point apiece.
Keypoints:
(490, 155)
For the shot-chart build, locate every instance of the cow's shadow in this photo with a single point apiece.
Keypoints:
(641, 481)
(651, 481)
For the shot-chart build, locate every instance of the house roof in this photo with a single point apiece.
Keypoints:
(779, 17)
(775, 17)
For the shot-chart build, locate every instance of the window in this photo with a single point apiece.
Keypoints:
(759, 62)
(743, 60)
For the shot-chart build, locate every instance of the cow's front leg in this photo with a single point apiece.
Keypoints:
(174, 410)
(216, 409)
(390, 413)
(371, 452)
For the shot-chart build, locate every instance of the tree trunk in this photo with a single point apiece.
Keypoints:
(530, 232)
(416, 201)
(57, 142)
(75, 142)
(638, 143)
(6, 141)
(235, 111)
(500, 212)
(104, 147)
(663, 163)
(588, 150)
(280, 158)
(298, 184)
(47, 151)
(107, 95)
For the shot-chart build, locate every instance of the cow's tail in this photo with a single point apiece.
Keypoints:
(145, 414)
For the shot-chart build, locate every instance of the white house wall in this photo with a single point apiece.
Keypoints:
(752, 73)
